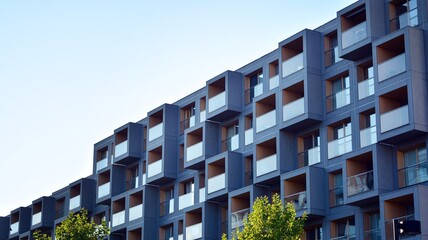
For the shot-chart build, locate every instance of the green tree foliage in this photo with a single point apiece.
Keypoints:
(77, 226)
(271, 221)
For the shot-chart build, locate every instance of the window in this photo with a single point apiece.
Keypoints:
(336, 189)
(309, 150)
(372, 226)
(187, 117)
(313, 233)
(338, 93)
(344, 229)
(413, 166)
(331, 54)
(167, 201)
(254, 86)
(231, 137)
(403, 13)
(132, 178)
(340, 139)
(365, 81)
(368, 133)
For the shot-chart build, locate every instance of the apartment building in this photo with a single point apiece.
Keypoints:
(334, 120)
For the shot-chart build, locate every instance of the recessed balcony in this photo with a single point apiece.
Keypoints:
(14, 228)
(154, 168)
(74, 202)
(231, 144)
(216, 183)
(293, 109)
(120, 148)
(217, 101)
(273, 82)
(309, 157)
(298, 199)
(394, 118)
(194, 232)
(186, 200)
(102, 164)
(266, 121)
(135, 212)
(414, 174)
(156, 131)
(365, 88)
(266, 165)
(354, 34)
(368, 136)
(248, 136)
(339, 146)
(292, 65)
(292, 57)
(194, 151)
(36, 218)
(238, 218)
(338, 99)
(118, 218)
(202, 194)
(104, 190)
(360, 183)
(167, 207)
(391, 67)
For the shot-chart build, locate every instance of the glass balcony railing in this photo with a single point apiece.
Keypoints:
(231, 144)
(217, 102)
(266, 121)
(365, 88)
(368, 136)
(154, 168)
(144, 179)
(120, 148)
(74, 202)
(102, 164)
(292, 65)
(404, 20)
(202, 195)
(273, 82)
(336, 196)
(413, 174)
(186, 200)
(309, 157)
(156, 132)
(194, 151)
(167, 207)
(14, 227)
(339, 99)
(359, 183)
(266, 165)
(202, 116)
(104, 190)
(391, 67)
(373, 234)
(187, 123)
(353, 35)
(37, 218)
(194, 232)
(331, 56)
(135, 212)
(238, 218)
(346, 237)
(339, 146)
(248, 138)
(258, 89)
(216, 183)
(298, 199)
(118, 218)
(293, 109)
(131, 183)
(394, 119)
(192, 121)
(389, 225)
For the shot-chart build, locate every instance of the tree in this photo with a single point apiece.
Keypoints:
(271, 221)
(77, 226)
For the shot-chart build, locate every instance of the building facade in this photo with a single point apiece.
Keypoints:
(334, 120)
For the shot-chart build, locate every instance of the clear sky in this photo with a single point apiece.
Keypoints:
(73, 71)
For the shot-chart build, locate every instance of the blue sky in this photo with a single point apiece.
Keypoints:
(73, 71)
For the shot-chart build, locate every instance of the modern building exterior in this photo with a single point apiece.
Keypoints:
(334, 120)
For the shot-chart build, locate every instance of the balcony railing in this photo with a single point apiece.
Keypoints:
(102, 164)
(156, 132)
(336, 196)
(266, 165)
(154, 168)
(253, 91)
(118, 218)
(391, 67)
(132, 183)
(104, 190)
(194, 151)
(202, 194)
(309, 157)
(231, 144)
(373, 234)
(389, 224)
(74, 202)
(266, 121)
(37, 218)
(404, 20)
(347, 237)
(359, 183)
(353, 35)
(339, 99)
(186, 200)
(194, 232)
(331, 56)
(120, 148)
(413, 174)
(368, 136)
(136, 212)
(202, 116)
(365, 88)
(217, 102)
(187, 123)
(216, 183)
(298, 199)
(248, 136)
(14, 227)
(180, 237)
(144, 179)
(167, 207)
(339, 146)
(292, 65)
(394, 118)
(238, 218)
(293, 109)
(273, 82)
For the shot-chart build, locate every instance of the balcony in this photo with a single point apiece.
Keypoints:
(202, 195)
(404, 20)
(192, 121)
(144, 179)
(248, 136)
(120, 148)
(266, 165)
(293, 109)
(359, 183)
(273, 82)
(232, 143)
(373, 234)
(394, 119)
(167, 207)
(194, 232)
(339, 146)
(104, 190)
(336, 196)
(118, 218)
(368, 136)
(298, 199)
(154, 168)
(265, 121)
(14, 227)
(74, 202)
(202, 116)
(391, 67)
(292, 65)
(180, 237)
(365, 88)
(309, 157)
(354, 35)
(332, 56)
(102, 164)
(238, 218)
(194, 151)
(135, 212)
(37, 218)
(347, 237)
(186, 200)
(217, 102)
(216, 183)
(156, 132)
(131, 183)
(413, 174)
(338, 100)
